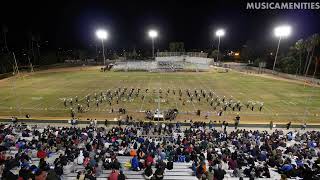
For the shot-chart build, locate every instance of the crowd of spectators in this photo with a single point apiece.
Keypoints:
(211, 152)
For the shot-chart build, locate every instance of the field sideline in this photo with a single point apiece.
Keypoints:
(41, 94)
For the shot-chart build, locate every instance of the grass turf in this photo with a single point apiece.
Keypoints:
(41, 94)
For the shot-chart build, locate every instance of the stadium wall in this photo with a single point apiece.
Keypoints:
(135, 65)
(171, 58)
(193, 60)
(199, 60)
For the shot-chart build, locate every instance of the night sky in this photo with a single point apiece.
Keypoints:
(72, 24)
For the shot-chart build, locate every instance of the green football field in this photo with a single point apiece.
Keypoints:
(42, 95)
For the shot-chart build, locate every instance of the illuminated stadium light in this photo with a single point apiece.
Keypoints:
(153, 34)
(220, 32)
(102, 34)
(280, 31)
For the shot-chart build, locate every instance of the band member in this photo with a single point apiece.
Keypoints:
(71, 101)
(261, 106)
(78, 107)
(248, 104)
(72, 113)
(252, 106)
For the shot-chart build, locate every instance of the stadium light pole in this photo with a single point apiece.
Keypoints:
(102, 34)
(219, 33)
(153, 34)
(281, 32)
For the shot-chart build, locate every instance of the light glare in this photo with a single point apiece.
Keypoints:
(153, 33)
(220, 32)
(282, 31)
(102, 34)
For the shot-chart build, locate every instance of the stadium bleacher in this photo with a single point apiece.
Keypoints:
(45, 147)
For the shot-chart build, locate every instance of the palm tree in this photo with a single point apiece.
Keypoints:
(308, 47)
(315, 40)
(36, 39)
(31, 44)
(5, 31)
(299, 46)
(317, 59)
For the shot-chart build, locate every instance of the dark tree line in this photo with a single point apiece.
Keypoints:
(302, 58)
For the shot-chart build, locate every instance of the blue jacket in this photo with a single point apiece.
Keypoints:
(134, 163)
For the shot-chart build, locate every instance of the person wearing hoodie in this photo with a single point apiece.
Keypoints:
(114, 175)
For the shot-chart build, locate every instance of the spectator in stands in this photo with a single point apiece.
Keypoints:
(158, 174)
(115, 164)
(295, 154)
(210, 174)
(121, 176)
(41, 153)
(201, 171)
(149, 160)
(169, 164)
(135, 164)
(114, 175)
(219, 173)
(40, 175)
(148, 172)
(80, 175)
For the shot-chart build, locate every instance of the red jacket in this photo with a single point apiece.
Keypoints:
(41, 154)
(114, 175)
(149, 160)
